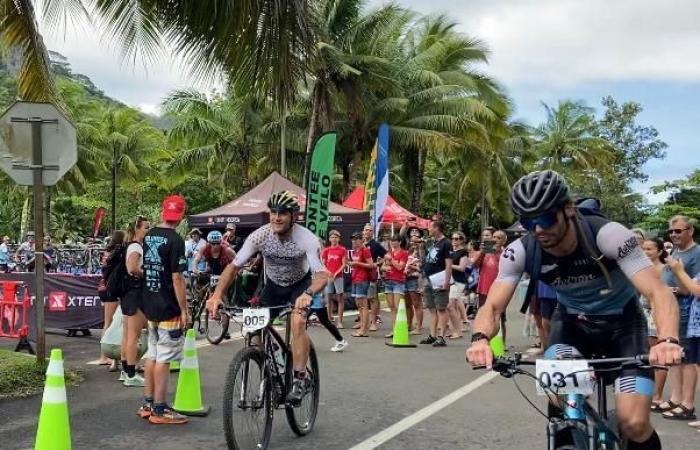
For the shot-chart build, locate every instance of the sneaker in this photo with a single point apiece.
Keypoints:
(428, 340)
(439, 342)
(299, 386)
(122, 376)
(145, 411)
(169, 416)
(339, 346)
(135, 381)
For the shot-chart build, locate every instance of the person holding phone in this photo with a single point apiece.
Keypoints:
(492, 244)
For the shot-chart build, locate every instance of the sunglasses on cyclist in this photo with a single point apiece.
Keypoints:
(676, 230)
(545, 221)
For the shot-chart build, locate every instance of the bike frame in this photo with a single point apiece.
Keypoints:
(269, 336)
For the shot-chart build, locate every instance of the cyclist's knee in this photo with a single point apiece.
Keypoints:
(298, 323)
(562, 351)
(634, 424)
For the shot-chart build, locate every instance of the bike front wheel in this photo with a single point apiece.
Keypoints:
(301, 419)
(247, 408)
(215, 328)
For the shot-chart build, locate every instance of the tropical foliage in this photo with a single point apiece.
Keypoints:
(293, 69)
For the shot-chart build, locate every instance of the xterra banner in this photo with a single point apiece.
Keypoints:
(71, 301)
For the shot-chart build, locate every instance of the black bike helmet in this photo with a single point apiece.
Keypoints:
(539, 192)
(283, 201)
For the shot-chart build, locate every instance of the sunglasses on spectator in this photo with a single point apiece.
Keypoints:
(545, 221)
(456, 238)
(677, 230)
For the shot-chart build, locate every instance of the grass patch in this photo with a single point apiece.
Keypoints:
(21, 376)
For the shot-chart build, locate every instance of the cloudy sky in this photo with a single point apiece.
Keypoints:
(540, 50)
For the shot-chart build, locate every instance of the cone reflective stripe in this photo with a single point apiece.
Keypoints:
(188, 397)
(53, 430)
(401, 338)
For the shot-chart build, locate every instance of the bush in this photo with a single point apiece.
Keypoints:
(21, 376)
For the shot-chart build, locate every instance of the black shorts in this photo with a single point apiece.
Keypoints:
(276, 295)
(611, 336)
(131, 302)
(543, 307)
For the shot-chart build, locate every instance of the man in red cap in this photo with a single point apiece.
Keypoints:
(165, 307)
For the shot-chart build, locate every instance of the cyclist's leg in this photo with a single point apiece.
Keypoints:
(300, 338)
(633, 387)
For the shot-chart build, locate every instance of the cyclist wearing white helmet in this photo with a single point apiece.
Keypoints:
(294, 273)
(214, 254)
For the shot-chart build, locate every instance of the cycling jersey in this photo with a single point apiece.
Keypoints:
(218, 264)
(286, 261)
(577, 279)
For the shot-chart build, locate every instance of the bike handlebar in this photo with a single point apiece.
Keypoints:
(505, 365)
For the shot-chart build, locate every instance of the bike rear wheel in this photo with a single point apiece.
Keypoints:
(301, 420)
(247, 408)
(215, 328)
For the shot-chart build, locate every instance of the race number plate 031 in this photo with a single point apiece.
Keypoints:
(569, 376)
(255, 319)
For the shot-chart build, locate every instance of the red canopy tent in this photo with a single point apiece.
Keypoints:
(393, 212)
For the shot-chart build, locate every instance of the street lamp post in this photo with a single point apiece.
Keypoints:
(114, 189)
(439, 180)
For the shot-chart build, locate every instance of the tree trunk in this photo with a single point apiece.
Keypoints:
(417, 192)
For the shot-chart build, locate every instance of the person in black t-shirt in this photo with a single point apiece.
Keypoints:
(378, 253)
(461, 267)
(165, 307)
(435, 298)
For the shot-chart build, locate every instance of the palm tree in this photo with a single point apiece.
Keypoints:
(348, 59)
(227, 138)
(567, 140)
(261, 44)
(131, 143)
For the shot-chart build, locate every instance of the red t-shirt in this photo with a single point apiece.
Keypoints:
(394, 274)
(361, 274)
(333, 258)
(488, 271)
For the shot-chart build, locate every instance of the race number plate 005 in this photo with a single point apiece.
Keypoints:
(255, 319)
(563, 376)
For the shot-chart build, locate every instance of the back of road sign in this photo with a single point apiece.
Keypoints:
(59, 143)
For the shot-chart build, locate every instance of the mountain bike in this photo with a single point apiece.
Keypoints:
(201, 287)
(573, 423)
(259, 378)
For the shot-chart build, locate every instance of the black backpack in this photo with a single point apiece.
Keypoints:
(585, 207)
(116, 276)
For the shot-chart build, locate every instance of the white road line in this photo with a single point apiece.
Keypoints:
(406, 423)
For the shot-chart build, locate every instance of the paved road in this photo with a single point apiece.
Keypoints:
(365, 391)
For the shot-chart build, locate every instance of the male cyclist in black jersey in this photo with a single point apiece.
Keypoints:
(596, 284)
(294, 273)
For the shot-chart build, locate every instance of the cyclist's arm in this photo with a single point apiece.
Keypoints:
(510, 270)
(250, 248)
(617, 242)
(195, 262)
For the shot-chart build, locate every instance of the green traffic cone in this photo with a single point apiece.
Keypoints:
(188, 397)
(497, 345)
(53, 431)
(401, 338)
(175, 366)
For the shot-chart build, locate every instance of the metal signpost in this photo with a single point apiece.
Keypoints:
(38, 145)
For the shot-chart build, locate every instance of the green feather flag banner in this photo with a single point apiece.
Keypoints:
(318, 192)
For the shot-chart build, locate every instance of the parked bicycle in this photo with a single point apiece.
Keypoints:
(201, 286)
(573, 423)
(259, 379)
